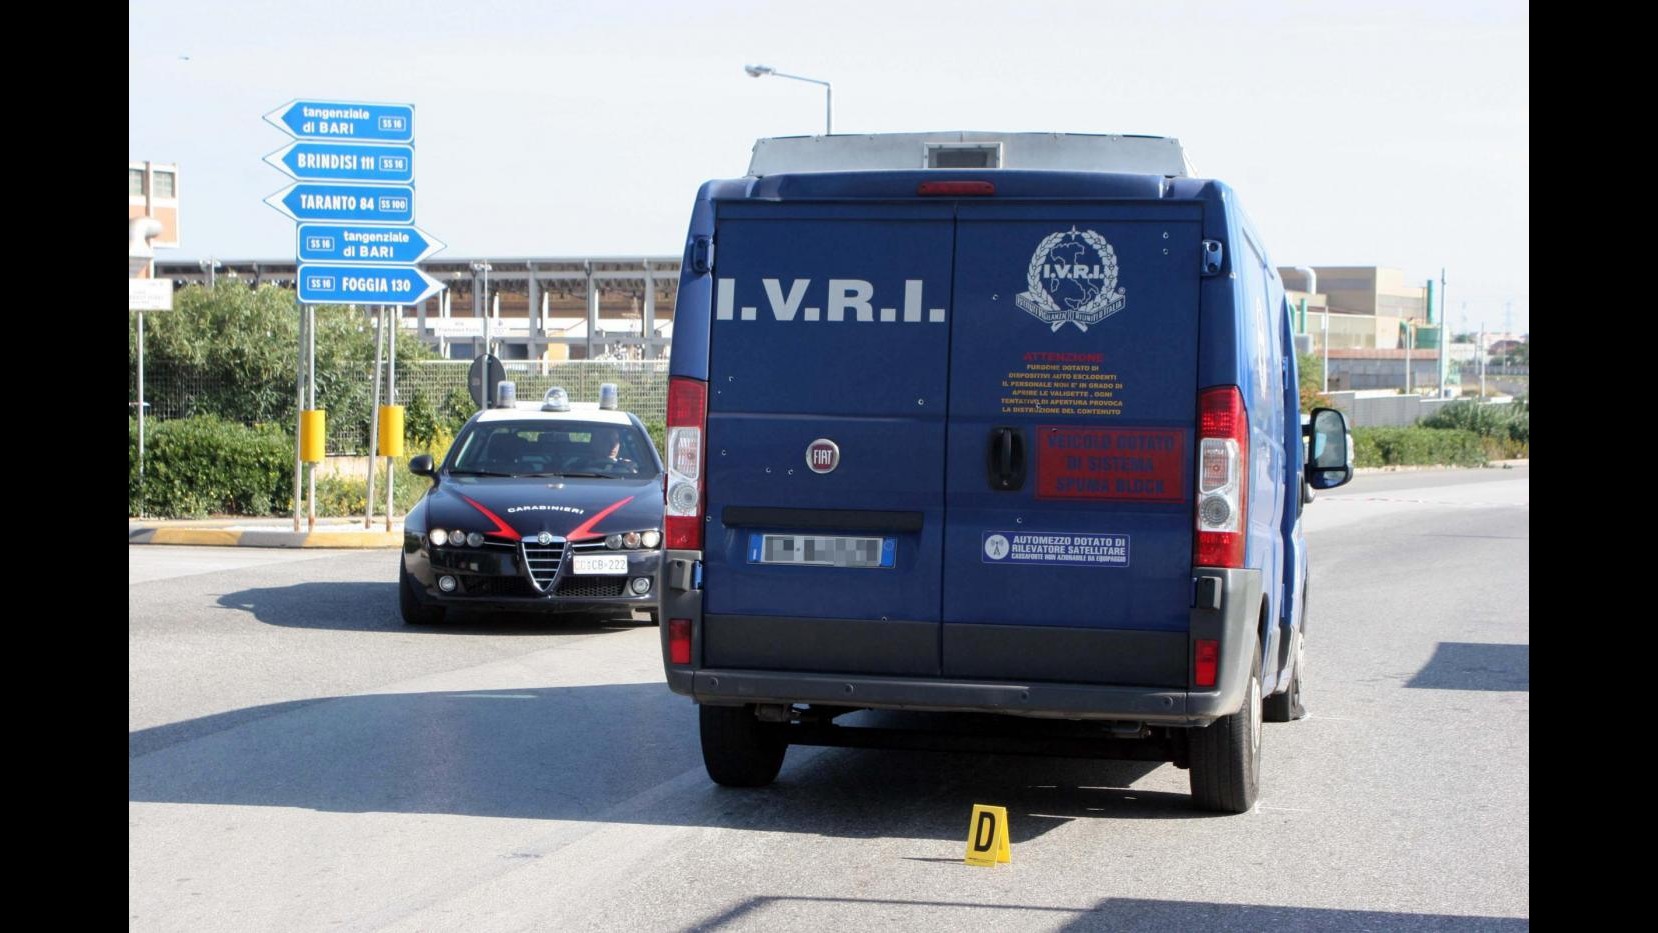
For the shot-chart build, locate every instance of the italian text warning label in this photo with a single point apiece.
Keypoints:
(1055, 549)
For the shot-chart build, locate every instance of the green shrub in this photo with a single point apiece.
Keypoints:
(348, 495)
(205, 465)
(1504, 430)
(1417, 446)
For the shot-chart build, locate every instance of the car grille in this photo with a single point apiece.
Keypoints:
(542, 561)
(593, 586)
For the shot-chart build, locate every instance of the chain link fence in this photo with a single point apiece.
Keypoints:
(427, 388)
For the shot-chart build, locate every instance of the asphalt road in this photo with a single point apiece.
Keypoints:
(300, 761)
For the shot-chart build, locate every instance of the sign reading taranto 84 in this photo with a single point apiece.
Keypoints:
(354, 199)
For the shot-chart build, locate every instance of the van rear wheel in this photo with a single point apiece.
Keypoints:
(739, 750)
(1226, 755)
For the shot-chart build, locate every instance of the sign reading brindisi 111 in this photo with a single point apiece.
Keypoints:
(354, 201)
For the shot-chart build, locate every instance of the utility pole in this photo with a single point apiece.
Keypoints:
(1481, 350)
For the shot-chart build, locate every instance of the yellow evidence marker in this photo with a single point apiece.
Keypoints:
(987, 836)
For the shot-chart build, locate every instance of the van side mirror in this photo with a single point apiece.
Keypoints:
(1330, 464)
(422, 466)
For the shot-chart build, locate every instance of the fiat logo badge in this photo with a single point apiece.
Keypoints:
(546, 537)
(823, 456)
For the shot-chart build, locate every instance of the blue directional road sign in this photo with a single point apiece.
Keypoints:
(365, 285)
(345, 162)
(345, 122)
(382, 204)
(365, 243)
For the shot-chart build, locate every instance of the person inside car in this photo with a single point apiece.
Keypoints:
(604, 453)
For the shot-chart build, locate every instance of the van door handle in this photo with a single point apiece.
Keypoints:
(1006, 459)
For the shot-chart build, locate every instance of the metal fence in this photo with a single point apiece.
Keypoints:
(1388, 410)
(182, 392)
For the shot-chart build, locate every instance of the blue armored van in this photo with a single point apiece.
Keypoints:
(1002, 425)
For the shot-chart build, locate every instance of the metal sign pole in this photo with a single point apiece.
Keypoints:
(373, 422)
(394, 315)
(311, 352)
(299, 414)
(141, 413)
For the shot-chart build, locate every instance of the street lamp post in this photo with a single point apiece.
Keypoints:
(755, 71)
(484, 267)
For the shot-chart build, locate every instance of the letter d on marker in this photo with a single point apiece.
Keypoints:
(987, 836)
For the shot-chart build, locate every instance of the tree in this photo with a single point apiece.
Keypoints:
(232, 351)
(1311, 368)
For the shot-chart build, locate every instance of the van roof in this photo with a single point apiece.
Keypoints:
(970, 149)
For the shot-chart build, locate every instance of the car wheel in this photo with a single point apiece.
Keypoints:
(1226, 754)
(414, 611)
(1286, 706)
(739, 750)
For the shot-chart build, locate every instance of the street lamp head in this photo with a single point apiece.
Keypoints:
(755, 71)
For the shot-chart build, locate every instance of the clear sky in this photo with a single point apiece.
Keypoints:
(1357, 133)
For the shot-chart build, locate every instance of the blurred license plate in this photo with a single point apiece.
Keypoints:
(821, 550)
(599, 563)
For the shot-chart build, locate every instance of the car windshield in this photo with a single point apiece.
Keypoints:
(547, 448)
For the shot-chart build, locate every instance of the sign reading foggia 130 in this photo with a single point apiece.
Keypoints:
(365, 285)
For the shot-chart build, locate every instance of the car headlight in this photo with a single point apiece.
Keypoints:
(438, 537)
(613, 542)
(631, 539)
(650, 538)
(475, 539)
(457, 537)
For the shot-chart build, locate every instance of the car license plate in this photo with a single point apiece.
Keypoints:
(585, 564)
(822, 550)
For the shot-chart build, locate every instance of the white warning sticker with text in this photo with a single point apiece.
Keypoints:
(1055, 548)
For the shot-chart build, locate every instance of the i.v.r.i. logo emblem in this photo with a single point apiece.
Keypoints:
(1073, 279)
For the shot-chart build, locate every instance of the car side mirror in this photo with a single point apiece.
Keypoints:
(1330, 464)
(422, 466)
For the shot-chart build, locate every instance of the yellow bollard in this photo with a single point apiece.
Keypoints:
(391, 430)
(313, 434)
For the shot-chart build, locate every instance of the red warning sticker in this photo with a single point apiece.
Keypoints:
(1142, 464)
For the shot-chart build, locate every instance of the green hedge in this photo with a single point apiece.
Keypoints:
(206, 465)
(1416, 446)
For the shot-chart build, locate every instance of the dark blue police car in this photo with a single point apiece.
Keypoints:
(538, 507)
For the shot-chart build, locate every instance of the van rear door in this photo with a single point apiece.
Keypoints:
(829, 351)
(1073, 400)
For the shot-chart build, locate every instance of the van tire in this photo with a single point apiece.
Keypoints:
(739, 750)
(414, 611)
(1287, 706)
(1226, 754)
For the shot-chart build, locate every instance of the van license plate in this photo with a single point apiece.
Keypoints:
(822, 550)
(612, 564)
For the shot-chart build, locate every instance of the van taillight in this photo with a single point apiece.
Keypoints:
(1222, 478)
(687, 417)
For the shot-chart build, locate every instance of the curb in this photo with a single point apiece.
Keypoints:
(251, 537)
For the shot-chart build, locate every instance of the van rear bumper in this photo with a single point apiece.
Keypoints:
(1078, 701)
(1226, 608)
